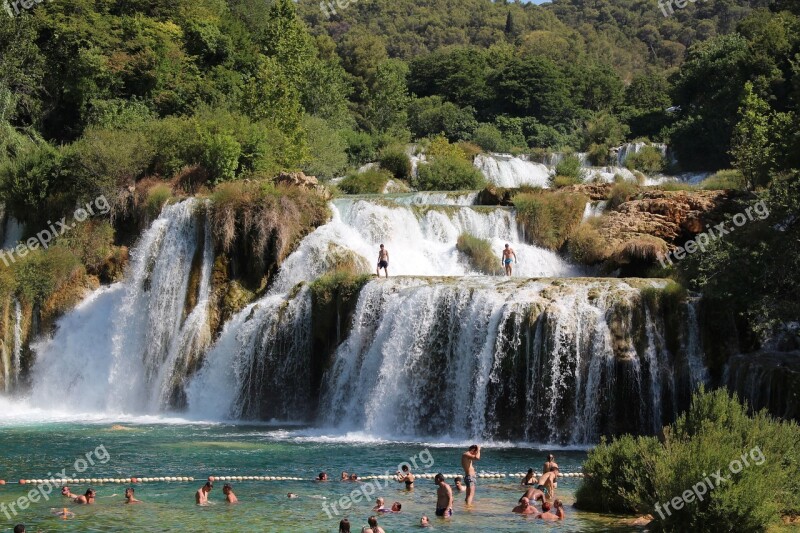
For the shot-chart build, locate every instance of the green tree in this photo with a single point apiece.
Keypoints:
(751, 148)
(388, 99)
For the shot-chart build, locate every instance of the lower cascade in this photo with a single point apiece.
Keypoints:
(537, 359)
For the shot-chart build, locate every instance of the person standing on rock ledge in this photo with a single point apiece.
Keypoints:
(508, 251)
(383, 261)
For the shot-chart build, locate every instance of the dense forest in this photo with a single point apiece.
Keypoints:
(113, 96)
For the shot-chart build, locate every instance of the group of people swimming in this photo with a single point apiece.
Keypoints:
(541, 489)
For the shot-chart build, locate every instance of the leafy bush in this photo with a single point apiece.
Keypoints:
(550, 218)
(396, 161)
(620, 193)
(448, 173)
(372, 181)
(757, 456)
(725, 180)
(479, 253)
(570, 169)
(157, 196)
(490, 138)
(360, 148)
(648, 160)
(439, 146)
(557, 181)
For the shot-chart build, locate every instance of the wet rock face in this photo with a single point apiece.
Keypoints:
(768, 380)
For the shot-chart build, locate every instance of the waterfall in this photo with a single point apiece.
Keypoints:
(17, 353)
(509, 171)
(261, 365)
(13, 232)
(629, 149)
(122, 348)
(594, 209)
(421, 241)
(466, 198)
(487, 359)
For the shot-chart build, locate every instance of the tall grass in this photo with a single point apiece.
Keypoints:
(372, 181)
(479, 253)
(550, 218)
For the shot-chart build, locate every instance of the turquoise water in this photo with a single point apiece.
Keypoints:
(199, 450)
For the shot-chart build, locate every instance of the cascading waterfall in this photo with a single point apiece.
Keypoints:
(17, 353)
(421, 241)
(260, 366)
(134, 368)
(509, 171)
(465, 198)
(474, 358)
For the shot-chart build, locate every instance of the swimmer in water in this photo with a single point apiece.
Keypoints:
(87, 499)
(201, 496)
(230, 497)
(405, 476)
(67, 493)
(129, 498)
(292, 496)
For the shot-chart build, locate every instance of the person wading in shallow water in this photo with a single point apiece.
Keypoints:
(383, 261)
(508, 252)
(467, 458)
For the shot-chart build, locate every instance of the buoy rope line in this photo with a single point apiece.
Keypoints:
(185, 479)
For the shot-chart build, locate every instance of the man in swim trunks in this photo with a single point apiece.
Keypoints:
(508, 252)
(383, 261)
(549, 465)
(129, 498)
(533, 494)
(546, 483)
(444, 497)
(524, 507)
(201, 496)
(467, 458)
(405, 477)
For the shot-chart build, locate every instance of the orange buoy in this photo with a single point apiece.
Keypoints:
(134, 480)
(211, 478)
(2, 481)
(23, 481)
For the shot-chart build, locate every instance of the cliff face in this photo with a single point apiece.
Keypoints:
(768, 380)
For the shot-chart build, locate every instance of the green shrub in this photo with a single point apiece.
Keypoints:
(490, 138)
(620, 193)
(757, 456)
(360, 148)
(570, 168)
(725, 180)
(372, 181)
(648, 160)
(157, 196)
(550, 218)
(479, 253)
(448, 173)
(396, 161)
(617, 474)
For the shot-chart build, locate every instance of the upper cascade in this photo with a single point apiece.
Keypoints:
(421, 241)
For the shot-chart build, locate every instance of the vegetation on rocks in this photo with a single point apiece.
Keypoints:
(757, 456)
(549, 219)
(479, 253)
